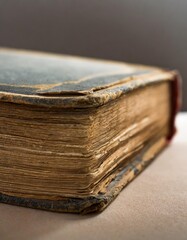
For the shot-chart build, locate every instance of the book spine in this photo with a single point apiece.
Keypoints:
(175, 103)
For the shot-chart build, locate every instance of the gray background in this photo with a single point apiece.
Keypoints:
(141, 31)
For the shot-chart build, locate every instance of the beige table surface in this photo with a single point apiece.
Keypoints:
(153, 206)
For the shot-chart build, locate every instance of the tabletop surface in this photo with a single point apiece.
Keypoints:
(153, 206)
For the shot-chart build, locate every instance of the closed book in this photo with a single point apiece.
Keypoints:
(75, 131)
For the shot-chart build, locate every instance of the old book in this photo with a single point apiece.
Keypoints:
(74, 131)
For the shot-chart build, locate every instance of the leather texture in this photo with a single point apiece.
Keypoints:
(28, 77)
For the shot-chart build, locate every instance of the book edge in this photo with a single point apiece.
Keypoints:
(92, 204)
(95, 99)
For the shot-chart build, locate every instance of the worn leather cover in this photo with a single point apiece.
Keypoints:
(65, 81)
(50, 80)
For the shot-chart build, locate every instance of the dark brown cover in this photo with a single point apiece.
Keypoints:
(61, 81)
